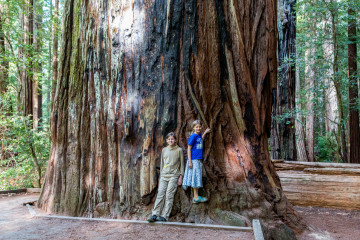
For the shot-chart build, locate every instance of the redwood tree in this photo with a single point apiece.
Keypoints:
(354, 130)
(4, 65)
(132, 71)
(282, 131)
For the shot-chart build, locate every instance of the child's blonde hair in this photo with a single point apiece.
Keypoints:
(194, 123)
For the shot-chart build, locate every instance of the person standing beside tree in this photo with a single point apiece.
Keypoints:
(171, 172)
(193, 170)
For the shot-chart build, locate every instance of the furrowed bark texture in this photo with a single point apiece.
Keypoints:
(282, 140)
(130, 72)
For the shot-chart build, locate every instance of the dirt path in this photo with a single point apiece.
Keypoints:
(17, 223)
(330, 224)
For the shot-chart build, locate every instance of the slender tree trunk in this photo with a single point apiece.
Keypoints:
(25, 53)
(331, 104)
(354, 131)
(4, 64)
(37, 71)
(55, 32)
(337, 84)
(310, 86)
(125, 80)
(300, 133)
(282, 140)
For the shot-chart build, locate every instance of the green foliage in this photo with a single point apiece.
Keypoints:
(25, 150)
(322, 27)
(327, 149)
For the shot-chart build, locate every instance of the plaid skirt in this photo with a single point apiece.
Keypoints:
(193, 176)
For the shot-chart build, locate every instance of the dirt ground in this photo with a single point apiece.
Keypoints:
(330, 224)
(17, 223)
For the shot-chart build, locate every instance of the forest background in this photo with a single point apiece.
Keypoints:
(316, 107)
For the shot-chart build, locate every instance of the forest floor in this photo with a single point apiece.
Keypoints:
(17, 223)
(329, 223)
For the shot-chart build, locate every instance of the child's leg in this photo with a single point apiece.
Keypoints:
(169, 199)
(159, 202)
(196, 193)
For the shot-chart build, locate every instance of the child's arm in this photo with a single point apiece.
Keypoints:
(206, 132)
(181, 167)
(189, 155)
(162, 160)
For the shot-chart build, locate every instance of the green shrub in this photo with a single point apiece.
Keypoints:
(326, 149)
(24, 152)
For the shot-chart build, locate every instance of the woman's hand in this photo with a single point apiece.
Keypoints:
(179, 182)
(190, 164)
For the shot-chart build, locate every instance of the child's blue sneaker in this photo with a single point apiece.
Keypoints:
(202, 199)
(196, 201)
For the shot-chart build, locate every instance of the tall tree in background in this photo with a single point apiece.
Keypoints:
(4, 64)
(331, 104)
(125, 80)
(282, 140)
(30, 90)
(354, 131)
(310, 76)
(37, 68)
(55, 42)
(332, 7)
(300, 133)
(26, 54)
(26, 149)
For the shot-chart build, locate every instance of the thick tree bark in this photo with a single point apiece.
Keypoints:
(131, 72)
(354, 130)
(282, 140)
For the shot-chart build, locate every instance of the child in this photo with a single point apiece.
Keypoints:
(171, 172)
(193, 170)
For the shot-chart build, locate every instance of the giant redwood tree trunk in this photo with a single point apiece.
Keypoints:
(132, 71)
(283, 131)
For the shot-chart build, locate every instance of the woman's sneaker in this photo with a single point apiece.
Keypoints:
(161, 219)
(153, 218)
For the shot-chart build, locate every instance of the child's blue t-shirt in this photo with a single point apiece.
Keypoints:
(196, 142)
